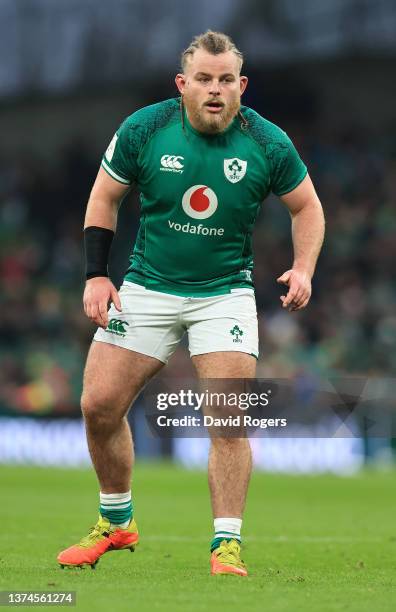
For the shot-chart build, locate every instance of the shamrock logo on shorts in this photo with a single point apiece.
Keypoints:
(236, 332)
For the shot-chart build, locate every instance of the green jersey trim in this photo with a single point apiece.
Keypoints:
(205, 290)
(297, 182)
(113, 174)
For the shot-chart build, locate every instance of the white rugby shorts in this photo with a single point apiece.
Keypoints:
(153, 323)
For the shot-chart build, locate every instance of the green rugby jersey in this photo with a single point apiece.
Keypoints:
(200, 195)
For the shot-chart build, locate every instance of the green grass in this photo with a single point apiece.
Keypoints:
(310, 543)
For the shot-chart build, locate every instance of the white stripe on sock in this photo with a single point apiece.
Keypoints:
(108, 499)
(230, 525)
(115, 507)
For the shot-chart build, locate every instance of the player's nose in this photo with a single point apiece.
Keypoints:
(214, 88)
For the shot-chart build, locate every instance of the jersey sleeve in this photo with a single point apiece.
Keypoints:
(120, 158)
(287, 167)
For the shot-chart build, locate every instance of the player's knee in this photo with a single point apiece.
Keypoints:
(99, 411)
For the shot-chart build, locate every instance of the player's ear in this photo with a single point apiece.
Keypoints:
(243, 81)
(180, 81)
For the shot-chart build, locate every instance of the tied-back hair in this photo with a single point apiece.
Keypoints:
(212, 42)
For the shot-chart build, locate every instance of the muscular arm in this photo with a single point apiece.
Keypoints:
(104, 201)
(102, 211)
(307, 233)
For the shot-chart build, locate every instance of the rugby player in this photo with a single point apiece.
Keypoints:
(203, 165)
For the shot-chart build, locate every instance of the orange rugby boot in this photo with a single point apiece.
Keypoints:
(226, 559)
(101, 539)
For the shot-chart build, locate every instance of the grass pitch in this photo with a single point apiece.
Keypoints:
(311, 543)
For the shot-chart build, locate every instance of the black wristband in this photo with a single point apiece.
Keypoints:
(97, 241)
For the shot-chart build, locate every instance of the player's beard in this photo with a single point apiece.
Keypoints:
(207, 122)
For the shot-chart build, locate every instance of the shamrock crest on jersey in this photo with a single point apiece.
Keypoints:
(235, 169)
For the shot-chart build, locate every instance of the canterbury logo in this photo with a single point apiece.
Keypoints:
(172, 163)
(116, 326)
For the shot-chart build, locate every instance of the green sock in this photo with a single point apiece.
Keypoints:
(117, 507)
(226, 529)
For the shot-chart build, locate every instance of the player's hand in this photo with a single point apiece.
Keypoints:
(99, 292)
(299, 283)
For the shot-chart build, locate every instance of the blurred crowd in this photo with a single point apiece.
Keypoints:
(349, 327)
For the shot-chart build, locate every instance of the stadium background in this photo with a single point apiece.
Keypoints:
(69, 74)
(70, 71)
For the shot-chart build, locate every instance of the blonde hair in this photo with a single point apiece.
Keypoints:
(212, 42)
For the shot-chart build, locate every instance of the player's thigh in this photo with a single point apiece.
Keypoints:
(223, 345)
(223, 335)
(114, 376)
(225, 364)
(224, 375)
